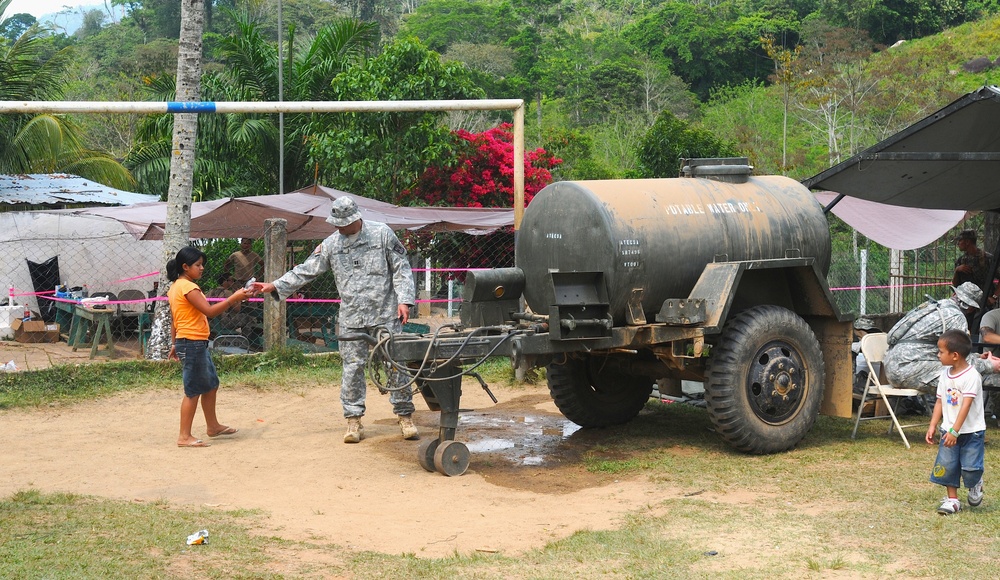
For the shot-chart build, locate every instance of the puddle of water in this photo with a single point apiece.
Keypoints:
(488, 445)
(529, 440)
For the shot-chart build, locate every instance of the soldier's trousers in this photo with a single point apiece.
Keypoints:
(354, 353)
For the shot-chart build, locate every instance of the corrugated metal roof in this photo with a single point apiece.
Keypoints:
(63, 189)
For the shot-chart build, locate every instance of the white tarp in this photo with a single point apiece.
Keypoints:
(895, 227)
(96, 251)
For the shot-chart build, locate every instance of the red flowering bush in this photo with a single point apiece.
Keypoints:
(482, 175)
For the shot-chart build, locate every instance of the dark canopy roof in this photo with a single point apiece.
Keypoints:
(949, 160)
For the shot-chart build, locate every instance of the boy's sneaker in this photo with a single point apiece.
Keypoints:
(976, 494)
(949, 506)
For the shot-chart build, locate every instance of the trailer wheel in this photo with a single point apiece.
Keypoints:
(590, 397)
(764, 381)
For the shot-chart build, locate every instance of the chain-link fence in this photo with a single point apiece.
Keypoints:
(87, 263)
(97, 290)
(867, 278)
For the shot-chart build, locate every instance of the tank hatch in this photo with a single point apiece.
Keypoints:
(725, 169)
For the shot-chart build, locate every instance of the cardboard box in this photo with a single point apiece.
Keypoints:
(35, 331)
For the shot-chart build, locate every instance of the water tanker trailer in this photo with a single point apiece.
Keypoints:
(717, 276)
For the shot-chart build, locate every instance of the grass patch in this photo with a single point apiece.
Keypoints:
(72, 536)
(829, 507)
(497, 370)
(81, 382)
(65, 384)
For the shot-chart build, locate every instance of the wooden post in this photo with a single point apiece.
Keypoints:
(275, 240)
(424, 307)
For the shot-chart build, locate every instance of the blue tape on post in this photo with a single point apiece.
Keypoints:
(193, 107)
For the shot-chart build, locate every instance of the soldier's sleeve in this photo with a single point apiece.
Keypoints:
(317, 264)
(982, 365)
(402, 276)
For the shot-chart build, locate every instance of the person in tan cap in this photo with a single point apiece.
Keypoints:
(376, 290)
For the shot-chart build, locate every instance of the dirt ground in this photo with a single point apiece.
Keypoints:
(525, 487)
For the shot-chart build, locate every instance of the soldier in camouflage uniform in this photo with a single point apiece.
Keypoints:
(376, 290)
(911, 361)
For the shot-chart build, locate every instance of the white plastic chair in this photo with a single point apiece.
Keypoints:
(873, 346)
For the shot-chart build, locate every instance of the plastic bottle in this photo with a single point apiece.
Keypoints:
(27, 313)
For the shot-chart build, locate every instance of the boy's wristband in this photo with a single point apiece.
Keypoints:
(953, 432)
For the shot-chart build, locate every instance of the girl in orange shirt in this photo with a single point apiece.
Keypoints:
(190, 311)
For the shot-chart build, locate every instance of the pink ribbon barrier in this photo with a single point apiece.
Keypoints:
(48, 293)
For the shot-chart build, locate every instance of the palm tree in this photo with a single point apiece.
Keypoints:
(311, 68)
(177, 230)
(45, 143)
(239, 152)
(235, 152)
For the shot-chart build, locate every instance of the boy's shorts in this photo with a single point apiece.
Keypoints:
(199, 370)
(964, 460)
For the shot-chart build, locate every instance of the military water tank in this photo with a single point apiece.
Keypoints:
(659, 234)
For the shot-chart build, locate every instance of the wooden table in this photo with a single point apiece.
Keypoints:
(100, 318)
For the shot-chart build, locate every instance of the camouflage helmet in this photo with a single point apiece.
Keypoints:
(344, 212)
(968, 295)
(865, 323)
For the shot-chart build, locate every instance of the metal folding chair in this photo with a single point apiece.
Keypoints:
(873, 347)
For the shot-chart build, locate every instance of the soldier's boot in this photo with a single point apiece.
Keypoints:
(407, 428)
(355, 430)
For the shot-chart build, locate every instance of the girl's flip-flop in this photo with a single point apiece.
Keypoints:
(226, 431)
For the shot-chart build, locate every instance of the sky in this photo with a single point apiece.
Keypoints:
(38, 8)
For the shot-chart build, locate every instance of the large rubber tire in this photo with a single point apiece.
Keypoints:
(591, 398)
(764, 381)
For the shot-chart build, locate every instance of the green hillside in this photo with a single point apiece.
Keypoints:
(896, 86)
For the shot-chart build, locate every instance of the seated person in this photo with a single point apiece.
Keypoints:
(989, 332)
(989, 328)
(233, 319)
(911, 361)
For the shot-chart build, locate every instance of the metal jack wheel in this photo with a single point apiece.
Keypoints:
(450, 458)
(444, 454)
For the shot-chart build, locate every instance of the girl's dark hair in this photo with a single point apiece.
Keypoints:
(957, 341)
(186, 257)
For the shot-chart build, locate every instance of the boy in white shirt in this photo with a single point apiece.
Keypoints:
(959, 409)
